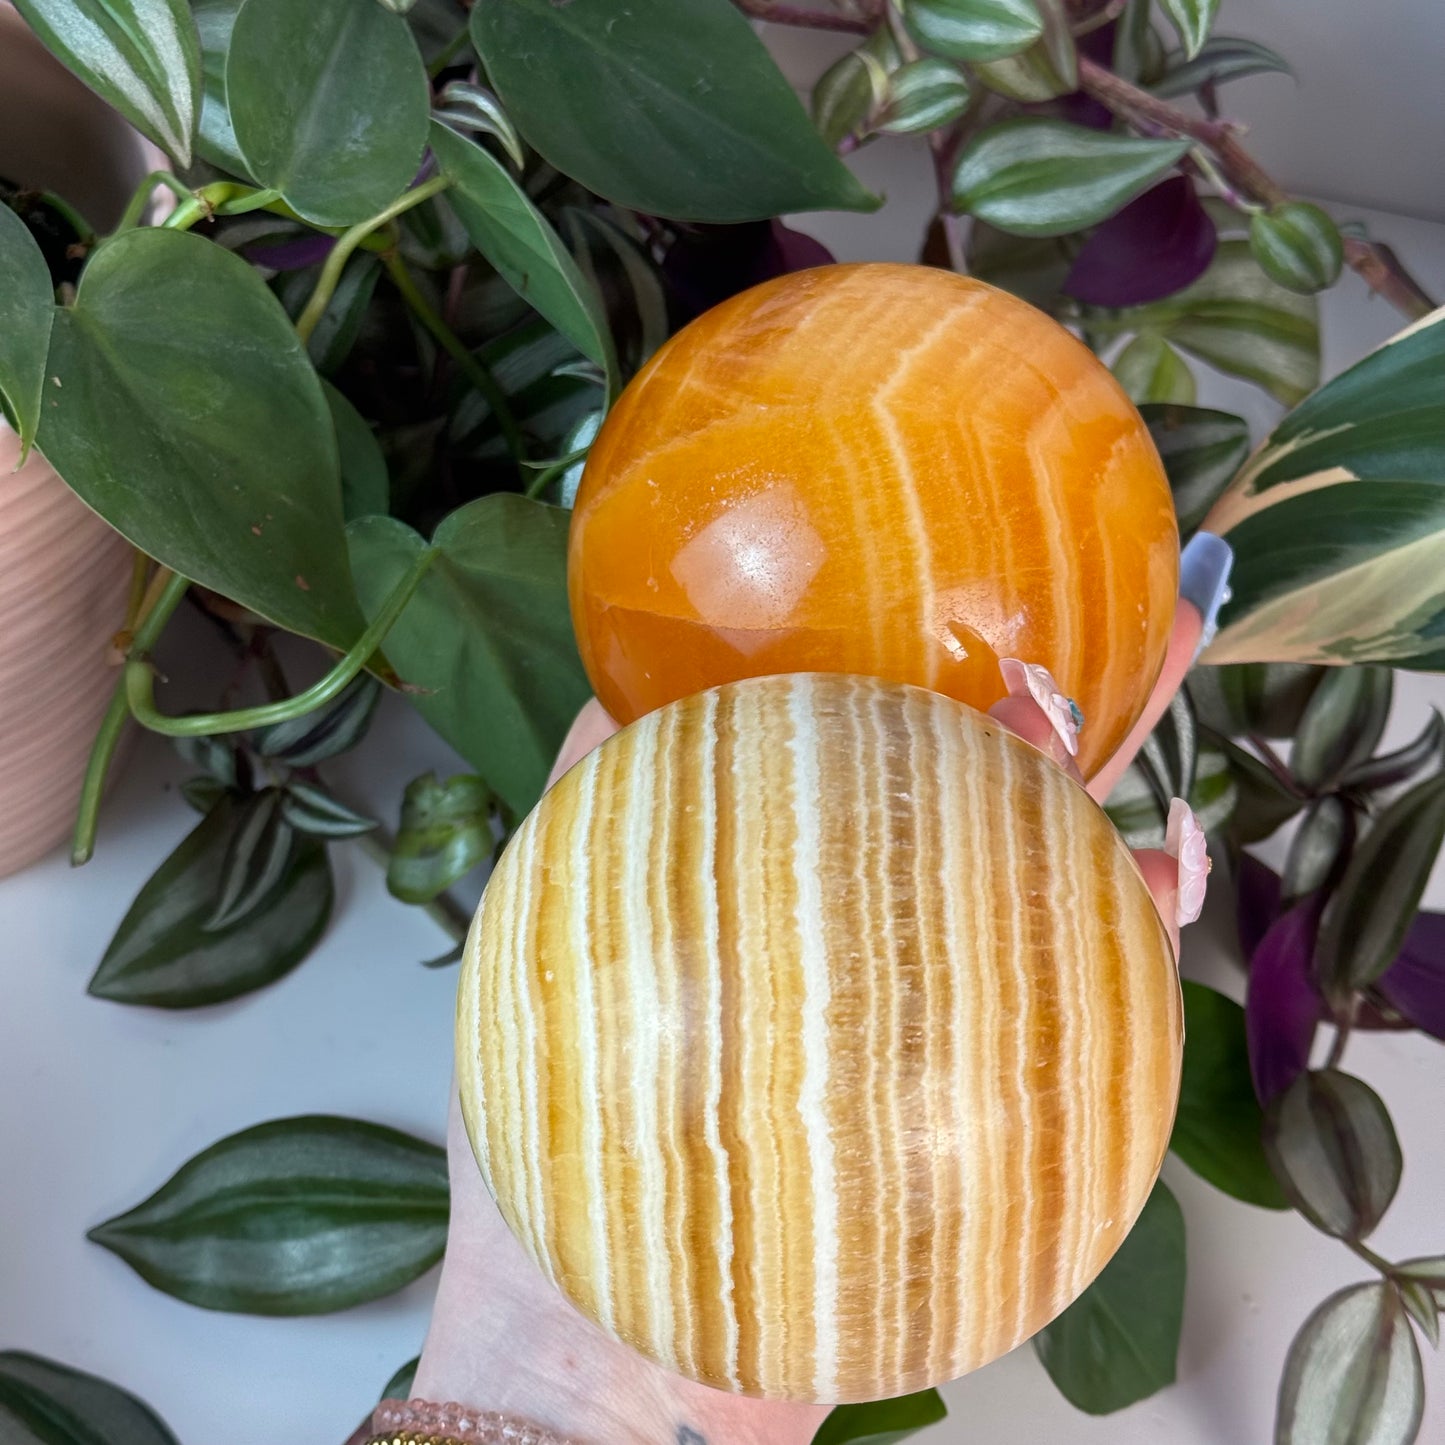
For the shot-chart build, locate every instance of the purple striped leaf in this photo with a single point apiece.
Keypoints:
(1282, 1007)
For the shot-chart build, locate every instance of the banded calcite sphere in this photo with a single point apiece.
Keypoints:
(876, 469)
(818, 1038)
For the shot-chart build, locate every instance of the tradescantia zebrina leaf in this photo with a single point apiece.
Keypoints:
(27, 305)
(43, 1402)
(1201, 451)
(140, 55)
(1192, 19)
(1338, 521)
(1119, 1341)
(1220, 59)
(1038, 177)
(446, 830)
(1151, 371)
(219, 461)
(625, 99)
(1048, 68)
(1353, 1373)
(487, 638)
(1238, 320)
(881, 1422)
(973, 29)
(293, 1217)
(329, 102)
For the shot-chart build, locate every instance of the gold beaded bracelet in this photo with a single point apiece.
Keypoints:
(422, 1422)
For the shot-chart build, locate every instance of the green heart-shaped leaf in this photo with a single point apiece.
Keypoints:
(365, 482)
(671, 107)
(217, 459)
(293, 1217)
(520, 243)
(1037, 177)
(43, 1402)
(166, 954)
(140, 55)
(330, 104)
(487, 639)
(215, 135)
(27, 305)
(1119, 1341)
(1217, 1129)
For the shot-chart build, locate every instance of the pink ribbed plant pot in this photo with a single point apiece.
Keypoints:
(64, 574)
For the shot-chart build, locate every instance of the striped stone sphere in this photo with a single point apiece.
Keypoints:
(818, 1038)
(876, 469)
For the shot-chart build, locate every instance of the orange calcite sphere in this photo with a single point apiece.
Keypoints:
(818, 1037)
(878, 469)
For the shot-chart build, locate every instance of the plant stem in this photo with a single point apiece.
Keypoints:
(136, 206)
(449, 52)
(472, 367)
(780, 14)
(161, 600)
(553, 470)
(453, 921)
(1379, 268)
(1375, 1261)
(140, 677)
(948, 218)
(140, 570)
(1276, 765)
(348, 242)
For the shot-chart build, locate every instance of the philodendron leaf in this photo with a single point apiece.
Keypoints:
(43, 1402)
(294, 1217)
(1378, 897)
(302, 742)
(365, 481)
(1037, 177)
(1220, 59)
(1218, 1125)
(1201, 451)
(215, 135)
(27, 304)
(627, 99)
(330, 104)
(165, 955)
(1333, 1149)
(1238, 320)
(973, 29)
(487, 639)
(1192, 19)
(520, 243)
(1150, 370)
(1353, 1373)
(1342, 725)
(1352, 478)
(140, 55)
(219, 460)
(882, 1422)
(446, 830)
(1119, 1341)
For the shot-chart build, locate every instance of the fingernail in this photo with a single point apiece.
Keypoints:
(1204, 567)
(1184, 841)
(1031, 679)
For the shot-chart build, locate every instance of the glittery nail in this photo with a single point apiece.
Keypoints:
(1031, 679)
(1184, 841)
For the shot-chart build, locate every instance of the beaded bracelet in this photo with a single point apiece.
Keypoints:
(421, 1422)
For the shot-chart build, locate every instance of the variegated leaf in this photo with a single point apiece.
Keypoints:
(1238, 320)
(140, 55)
(1338, 521)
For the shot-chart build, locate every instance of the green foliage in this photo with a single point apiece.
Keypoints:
(672, 107)
(328, 101)
(1151, 371)
(446, 830)
(973, 29)
(1037, 177)
(1192, 19)
(1218, 59)
(296, 1217)
(1118, 1342)
(140, 55)
(1297, 245)
(26, 310)
(1046, 69)
(1201, 451)
(1218, 1126)
(881, 1422)
(43, 1402)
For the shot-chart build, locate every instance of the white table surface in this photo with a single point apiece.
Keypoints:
(99, 1103)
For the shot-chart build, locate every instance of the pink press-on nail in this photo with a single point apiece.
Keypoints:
(1031, 679)
(1184, 841)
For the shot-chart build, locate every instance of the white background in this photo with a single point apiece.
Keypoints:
(100, 1103)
